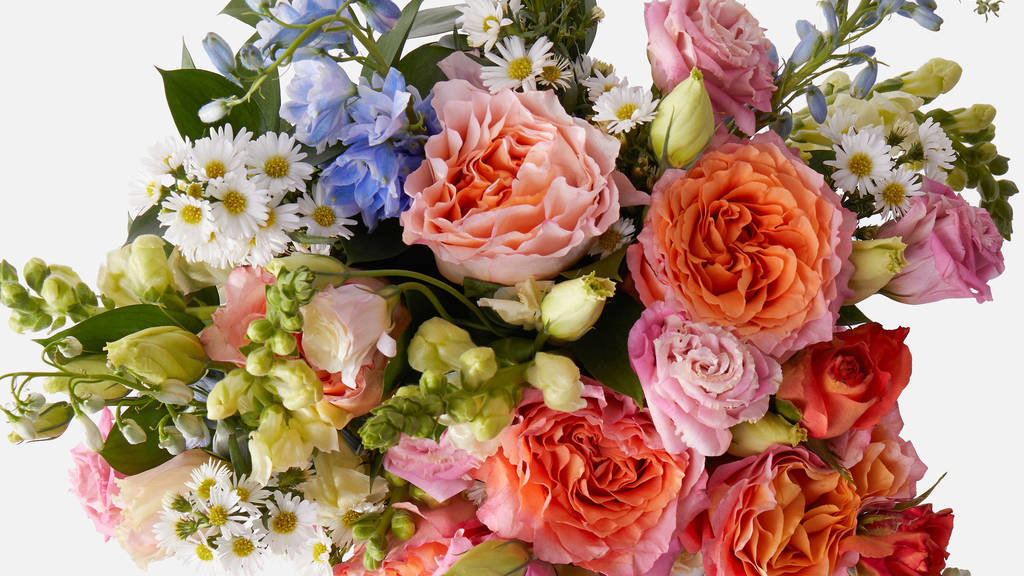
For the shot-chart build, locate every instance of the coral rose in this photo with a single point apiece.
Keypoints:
(953, 249)
(513, 187)
(749, 238)
(93, 482)
(245, 301)
(850, 382)
(698, 380)
(782, 512)
(725, 42)
(593, 487)
(908, 543)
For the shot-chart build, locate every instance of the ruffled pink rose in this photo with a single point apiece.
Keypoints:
(438, 468)
(724, 42)
(594, 487)
(513, 187)
(93, 482)
(953, 248)
(246, 301)
(699, 380)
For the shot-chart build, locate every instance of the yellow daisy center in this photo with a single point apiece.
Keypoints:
(894, 193)
(860, 165)
(234, 202)
(609, 241)
(318, 551)
(194, 215)
(324, 216)
(284, 523)
(215, 169)
(520, 68)
(152, 189)
(491, 22)
(551, 73)
(218, 515)
(350, 517)
(195, 190)
(242, 547)
(625, 112)
(204, 553)
(243, 494)
(276, 167)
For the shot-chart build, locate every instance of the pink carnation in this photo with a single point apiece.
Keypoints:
(725, 42)
(246, 301)
(699, 380)
(438, 468)
(953, 248)
(93, 482)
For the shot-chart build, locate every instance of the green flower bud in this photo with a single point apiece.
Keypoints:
(370, 563)
(752, 438)
(22, 322)
(224, 398)
(172, 392)
(8, 273)
(981, 154)
(35, 272)
(93, 365)
(70, 347)
(957, 178)
(93, 438)
(260, 331)
(376, 548)
(685, 122)
(934, 78)
(478, 365)
(59, 293)
(132, 432)
(433, 383)
(365, 527)
(296, 383)
(875, 262)
(35, 402)
(14, 296)
(192, 427)
(282, 343)
(572, 307)
(494, 416)
(558, 378)
(160, 353)
(260, 361)
(171, 440)
(327, 270)
(25, 428)
(402, 525)
(147, 264)
(437, 345)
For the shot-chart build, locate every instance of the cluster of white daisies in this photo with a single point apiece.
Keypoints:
(618, 106)
(229, 200)
(228, 525)
(866, 162)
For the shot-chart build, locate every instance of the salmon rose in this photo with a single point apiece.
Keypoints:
(512, 187)
(749, 238)
(593, 487)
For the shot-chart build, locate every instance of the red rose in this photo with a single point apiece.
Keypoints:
(908, 543)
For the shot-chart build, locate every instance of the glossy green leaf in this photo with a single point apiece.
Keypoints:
(392, 43)
(383, 243)
(131, 459)
(851, 316)
(145, 223)
(96, 332)
(186, 57)
(419, 67)
(474, 288)
(605, 268)
(189, 90)
(493, 558)
(431, 21)
(268, 100)
(603, 351)
(239, 10)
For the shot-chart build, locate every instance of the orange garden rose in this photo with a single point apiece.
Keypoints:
(783, 512)
(750, 238)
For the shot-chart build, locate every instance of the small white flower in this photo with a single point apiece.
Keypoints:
(482, 20)
(251, 494)
(147, 191)
(583, 67)
(617, 236)
(317, 552)
(226, 132)
(219, 251)
(242, 208)
(862, 158)
(838, 123)
(291, 521)
(166, 156)
(339, 521)
(938, 151)
(275, 164)
(557, 73)
(625, 107)
(271, 240)
(172, 531)
(514, 6)
(516, 67)
(243, 553)
(224, 513)
(211, 473)
(189, 221)
(893, 192)
(215, 157)
(321, 218)
(198, 554)
(599, 84)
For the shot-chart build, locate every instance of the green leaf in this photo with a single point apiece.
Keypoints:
(392, 43)
(268, 101)
(383, 243)
(189, 90)
(920, 498)
(186, 58)
(851, 316)
(431, 21)
(474, 288)
(419, 67)
(603, 351)
(96, 332)
(132, 459)
(145, 223)
(606, 268)
(239, 10)
(493, 558)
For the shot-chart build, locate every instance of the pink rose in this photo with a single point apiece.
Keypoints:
(93, 482)
(953, 248)
(699, 380)
(912, 542)
(438, 468)
(245, 301)
(512, 187)
(725, 42)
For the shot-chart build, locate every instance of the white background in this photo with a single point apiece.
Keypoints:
(81, 103)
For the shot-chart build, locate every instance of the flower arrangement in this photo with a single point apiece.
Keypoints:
(483, 305)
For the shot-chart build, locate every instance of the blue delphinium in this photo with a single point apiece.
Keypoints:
(381, 14)
(275, 38)
(317, 97)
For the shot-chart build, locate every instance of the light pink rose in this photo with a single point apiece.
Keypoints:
(725, 42)
(246, 301)
(438, 468)
(699, 380)
(93, 482)
(953, 248)
(512, 187)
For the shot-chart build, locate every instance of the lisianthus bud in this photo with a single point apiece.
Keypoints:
(93, 438)
(558, 378)
(685, 122)
(173, 392)
(171, 440)
(875, 262)
(934, 78)
(751, 438)
(972, 120)
(132, 432)
(437, 345)
(93, 365)
(139, 272)
(92, 403)
(214, 111)
(296, 383)
(478, 365)
(160, 353)
(572, 307)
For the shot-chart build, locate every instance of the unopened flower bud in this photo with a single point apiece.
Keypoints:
(192, 428)
(25, 322)
(8, 273)
(437, 345)
(35, 272)
(53, 420)
(160, 353)
(494, 416)
(875, 262)
(934, 78)
(957, 178)
(597, 15)
(433, 383)
(214, 111)
(224, 398)
(260, 361)
(93, 438)
(14, 296)
(171, 440)
(365, 527)
(500, 557)
(251, 57)
(260, 330)
(972, 120)
(132, 432)
(94, 366)
(402, 525)
(147, 266)
(70, 347)
(478, 365)
(572, 307)
(173, 392)
(25, 428)
(92, 403)
(752, 438)
(282, 343)
(558, 378)
(685, 122)
(220, 53)
(35, 402)
(59, 293)
(519, 305)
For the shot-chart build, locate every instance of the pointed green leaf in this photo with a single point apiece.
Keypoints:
(603, 351)
(189, 90)
(431, 21)
(392, 43)
(96, 332)
(419, 67)
(145, 223)
(186, 57)
(851, 316)
(239, 10)
(605, 268)
(131, 459)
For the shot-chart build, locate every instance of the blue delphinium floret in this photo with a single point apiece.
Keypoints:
(275, 38)
(381, 14)
(316, 100)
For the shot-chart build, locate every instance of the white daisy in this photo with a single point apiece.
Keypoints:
(242, 208)
(148, 190)
(583, 67)
(219, 251)
(189, 221)
(224, 513)
(291, 522)
(275, 164)
(174, 530)
(481, 21)
(624, 107)
(193, 188)
(516, 67)
(214, 157)
(893, 191)
(244, 552)
(838, 123)
(166, 156)
(211, 473)
(198, 554)
(251, 494)
(239, 142)
(599, 84)
(617, 236)
(938, 151)
(271, 240)
(339, 521)
(316, 553)
(322, 219)
(861, 159)
(556, 73)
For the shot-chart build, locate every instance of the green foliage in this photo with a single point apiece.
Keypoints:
(391, 44)
(493, 558)
(186, 57)
(96, 332)
(132, 459)
(603, 351)
(384, 243)
(851, 316)
(431, 21)
(145, 223)
(605, 268)
(239, 10)
(189, 90)
(419, 67)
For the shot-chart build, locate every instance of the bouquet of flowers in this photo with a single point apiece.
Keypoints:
(432, 291)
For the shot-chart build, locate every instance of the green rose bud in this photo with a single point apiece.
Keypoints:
(934, 78)
(875, 262)
(749, 439)
(478, 365)
(685, 122)
(296, 383)
(160, 353)
(572, 307)
(437, 345)
(558, 378)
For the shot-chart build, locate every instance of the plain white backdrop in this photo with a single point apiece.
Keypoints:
(81, 102)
